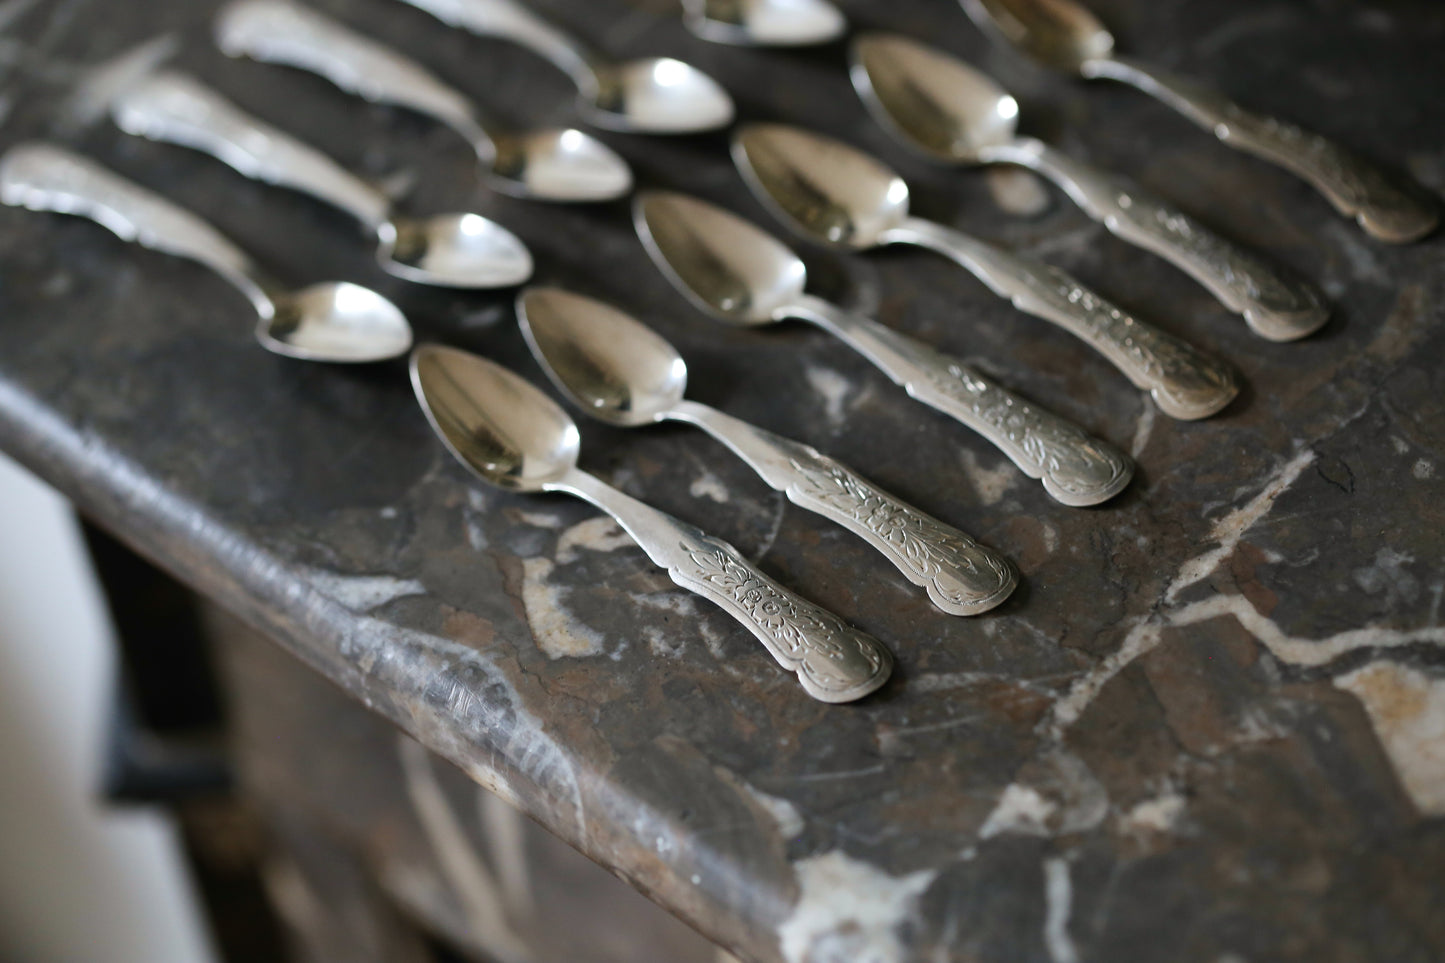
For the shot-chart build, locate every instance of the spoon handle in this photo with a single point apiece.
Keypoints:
(1276, 307)
(834, 663)
(1387, 210)
(281, 32)
(961, 576)
(1185, 383)
(44, 177)
(178, 110)
(506, 20)
(1075, 468)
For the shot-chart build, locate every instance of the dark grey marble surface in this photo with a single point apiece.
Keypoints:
(1207, 727)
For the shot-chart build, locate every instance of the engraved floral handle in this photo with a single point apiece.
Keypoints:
(1386, 210)
(1184, 382)
(176, 109)
(507, 20)
(1076, 469)
(281, 32)
(961, 576)
(834, 662)
(1276, 306)
(44, 177)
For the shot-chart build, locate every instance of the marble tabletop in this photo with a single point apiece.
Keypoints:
(1209, 724)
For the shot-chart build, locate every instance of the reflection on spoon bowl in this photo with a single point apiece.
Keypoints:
(1058, 33)
(933, 102)
(609, 364)
(731, 269)
(507, 432)
(454, 250)
(824, 188)
(558, 165)
(335, 321)
(658, 96)
(765, 23)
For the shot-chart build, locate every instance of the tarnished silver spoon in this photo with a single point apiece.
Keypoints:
(544, 165)
(621, 372)
(448, 250)
(847, 199)
(736, 272)
(1065, 36)
(765, 23)
(511, 435)
(939, 105)
(334, 321)
(655, 95)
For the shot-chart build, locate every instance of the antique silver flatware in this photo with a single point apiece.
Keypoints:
(847, 199)
(655, 95)
(765, 23)
(736, 272)
(1065, 36)
(621, 372)
(937, 104)
(450, 250)
(333, 321)
(546, 165)
(511, 435)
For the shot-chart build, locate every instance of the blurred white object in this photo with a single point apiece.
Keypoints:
(79, 882)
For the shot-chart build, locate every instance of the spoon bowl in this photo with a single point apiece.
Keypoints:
(562, 166)
(657, 95)
(336, 322)
(454, 250)
(507, 432)
(727, 267)
(824, 188)
(1058, 33)
(610, 365)
(931, 101)
(765, 23)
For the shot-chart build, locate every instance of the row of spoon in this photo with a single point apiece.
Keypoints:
(1064, 36)
(510, 435)
(618, 370)
(863, 203)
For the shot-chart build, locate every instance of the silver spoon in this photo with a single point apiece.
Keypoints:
(449, 250)
(334, 321)
(617, 370)
(765, 23)
(545, 165)
(738, 273)
(656, 95)
(845, 198)
(944, 108)
(1065, 36)
(511, 435)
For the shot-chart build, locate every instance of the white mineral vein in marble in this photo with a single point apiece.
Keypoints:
(362, 593)
(1227, 531)
(785, 814)
(990, 484)
(1021, 810)
(540, 519)
(849, 911)
(1159, 815)
(1142, 430)
(834, 388)
(557, 632)
(1017, 191)
(1058, 905)
(708, 485)
(600, 534)
(1407, 709)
